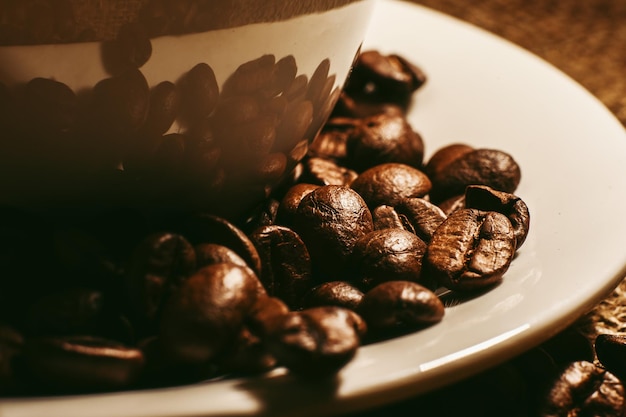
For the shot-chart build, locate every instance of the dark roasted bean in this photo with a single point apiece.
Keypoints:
(494, 168)
(205, 314)
(400, 305)
(389, 183)
(316, 342)
(611, 352)
(160, 263)
(388, 255)
(199, 92)
(291, 200)
(472, 249)
(383, 138)
(330, 220)
(286, 263)
(584, 389)
(334, 293)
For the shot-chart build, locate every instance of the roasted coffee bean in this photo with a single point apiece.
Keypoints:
(286, 263)
(326, 172)
(208, 228)
(584, 389)
(388, 255)
(334, 293)
(424, 216)
(50, 106)
(75, 364)
(386, 217)
(397, 305)
(389, 183)
(199, 93)
(205, 314)
(384, 138)
(316, 342)
(270, 168)
(160, 263)
(330, 220)
(384, 78)
(492, 167)
(482, 197)
(291, 200)
(471, 249)
(611, 352)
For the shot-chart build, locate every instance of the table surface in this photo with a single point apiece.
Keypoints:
(585, 39)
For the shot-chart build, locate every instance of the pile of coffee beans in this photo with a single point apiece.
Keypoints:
(349, 250)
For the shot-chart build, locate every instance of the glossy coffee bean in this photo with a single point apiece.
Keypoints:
(400, 305)
(611, 352)
(383, 138)
(251, 76)
(316, 342)
(389, 183)
(82, 364)
(584, 389)
(483, 197)
(286, 263)
(471, 249)
(388, 255)
(492, 167)
(205, 314)
(334, 293)
(160, 263)
(330, 220)
(394, 79)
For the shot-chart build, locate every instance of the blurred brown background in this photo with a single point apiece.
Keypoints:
(584, 38)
